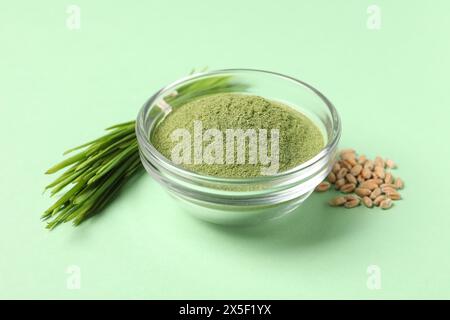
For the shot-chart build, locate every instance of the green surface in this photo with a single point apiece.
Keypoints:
(59, 88)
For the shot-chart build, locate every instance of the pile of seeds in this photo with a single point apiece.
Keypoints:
(362, 180)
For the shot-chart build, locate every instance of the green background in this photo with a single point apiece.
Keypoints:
(61, 87)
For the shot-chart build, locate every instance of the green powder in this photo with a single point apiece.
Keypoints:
(299, 138)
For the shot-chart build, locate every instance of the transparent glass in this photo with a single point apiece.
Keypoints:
(234, 200)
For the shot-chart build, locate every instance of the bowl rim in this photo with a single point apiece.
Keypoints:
(143, 141)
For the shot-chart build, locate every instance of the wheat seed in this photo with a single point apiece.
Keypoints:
(386, 203)
(337, 201)
(394, 195)
(332, 177)
(366, 173)
(388, 185)
(362, 192)
(345, 151)
(369, 165)
(323, 186)
(348, 187)
(351, 203)
(360, 179)
(346, 164)
(388, 178)
(379, 171)
(350, 178)
(339, 183)
(336, 168)
(388, 189)
(362, 159)
(390, 164)
(356, 170)
(371, 185)
(378, 200)
(342, 173)
(399, 183)
(379, 162)
(367, 202)
(375, 193)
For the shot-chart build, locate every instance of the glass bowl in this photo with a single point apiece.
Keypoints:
(239, 201)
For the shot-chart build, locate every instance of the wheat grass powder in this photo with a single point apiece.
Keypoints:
(299, 139)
